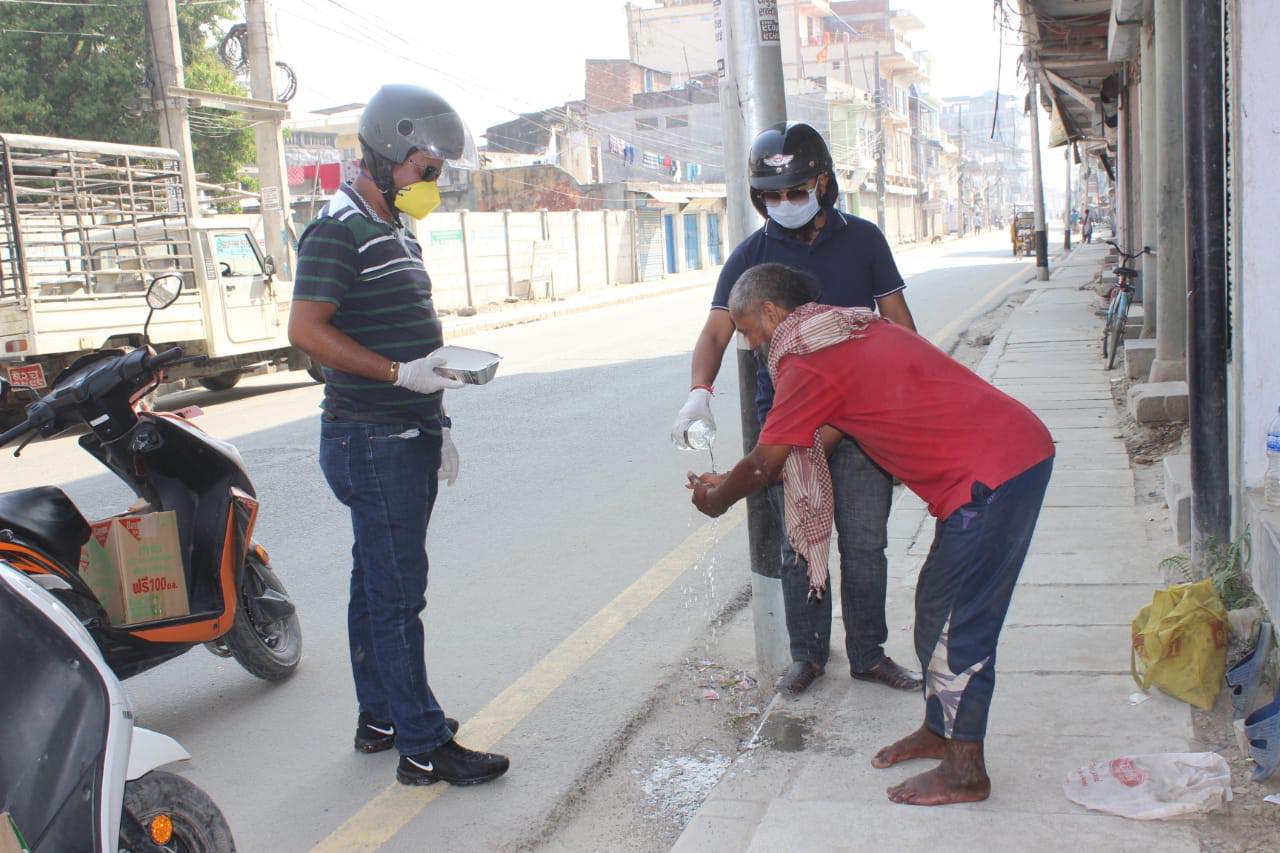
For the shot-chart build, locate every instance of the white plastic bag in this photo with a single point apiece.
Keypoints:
(1153, 787)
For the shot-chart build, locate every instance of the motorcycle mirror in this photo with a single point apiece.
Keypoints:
(269, 265)
(164, 291)
(161, 293)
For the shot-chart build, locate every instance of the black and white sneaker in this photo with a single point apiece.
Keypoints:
(374, 735)
(452, 763)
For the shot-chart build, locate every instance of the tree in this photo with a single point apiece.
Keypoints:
(81, 71)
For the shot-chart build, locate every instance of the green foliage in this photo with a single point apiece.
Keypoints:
(82, 72)
(1226, 565)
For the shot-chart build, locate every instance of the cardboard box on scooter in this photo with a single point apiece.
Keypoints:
(133, 564)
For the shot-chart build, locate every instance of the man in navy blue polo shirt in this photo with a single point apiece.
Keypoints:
(793, 186)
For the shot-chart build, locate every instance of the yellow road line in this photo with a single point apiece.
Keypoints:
(962, 322)
(379, 820)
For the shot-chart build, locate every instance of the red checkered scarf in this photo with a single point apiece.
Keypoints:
(806, 478)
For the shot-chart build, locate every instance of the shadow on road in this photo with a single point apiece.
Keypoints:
(206, 399)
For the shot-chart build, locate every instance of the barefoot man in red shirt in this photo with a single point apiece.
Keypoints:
(979, 458)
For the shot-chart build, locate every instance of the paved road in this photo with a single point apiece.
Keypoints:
(569, 516)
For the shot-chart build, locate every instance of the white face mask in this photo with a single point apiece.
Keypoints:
(792, 215)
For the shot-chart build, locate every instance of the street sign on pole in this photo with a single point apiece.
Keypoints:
(752, 97)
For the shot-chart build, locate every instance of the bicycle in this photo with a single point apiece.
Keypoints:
(1118, 302)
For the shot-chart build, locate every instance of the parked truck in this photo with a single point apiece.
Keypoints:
(85, 226)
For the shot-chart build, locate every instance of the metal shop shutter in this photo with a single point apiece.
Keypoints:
(649, 247)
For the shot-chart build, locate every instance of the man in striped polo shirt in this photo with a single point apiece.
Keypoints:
(362, 308)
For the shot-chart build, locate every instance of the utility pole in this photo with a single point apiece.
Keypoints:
(1066, 206)
(799, 43)
(848, 69)
(167, 70)
(175, 132)
(880, 216)
(1206, 217)
(1037, 178)
(752, 97)
(268, 136)
(960, 205)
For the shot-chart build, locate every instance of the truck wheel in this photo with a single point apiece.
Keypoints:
(221, 382)
(198, 824)
(269, 649)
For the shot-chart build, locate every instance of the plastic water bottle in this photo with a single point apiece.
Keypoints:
(1272, 478)
(699, 435)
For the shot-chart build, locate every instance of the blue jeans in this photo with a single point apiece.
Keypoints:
(386, 474)
(863, 495)
(962, 597)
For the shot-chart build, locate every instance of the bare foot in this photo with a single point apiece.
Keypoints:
(921, 743)
(960, 778)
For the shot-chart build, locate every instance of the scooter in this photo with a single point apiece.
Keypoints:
(238, 605)
(75, 773)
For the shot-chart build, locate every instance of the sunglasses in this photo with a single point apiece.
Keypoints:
(795, 195)
(429, 172)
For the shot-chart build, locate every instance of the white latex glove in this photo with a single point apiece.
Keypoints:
(697, 407)
(448, 458)
(420, 375)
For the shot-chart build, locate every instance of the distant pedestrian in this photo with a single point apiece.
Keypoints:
(362, 307)
(1086, 228)
(980, 459)
(793, 186)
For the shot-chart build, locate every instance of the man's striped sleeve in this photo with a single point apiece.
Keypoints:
(328, 263)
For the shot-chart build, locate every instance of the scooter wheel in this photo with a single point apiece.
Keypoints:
(269, 650)
(197, 823)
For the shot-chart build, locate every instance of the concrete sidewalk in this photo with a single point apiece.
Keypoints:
(1061, 697)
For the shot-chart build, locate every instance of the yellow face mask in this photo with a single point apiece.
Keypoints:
(418, 199)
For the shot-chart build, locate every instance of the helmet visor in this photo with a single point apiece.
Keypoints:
(444, 136)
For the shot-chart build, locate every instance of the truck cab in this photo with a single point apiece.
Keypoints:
(84, 228)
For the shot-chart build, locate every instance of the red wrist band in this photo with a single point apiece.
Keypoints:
(709, 389)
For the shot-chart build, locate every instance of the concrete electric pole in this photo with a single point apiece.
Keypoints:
(1037, 176)
(1066, 205)
(269, 136)
(752, 97)
(880, 146)
(166, 68)
(960, 204)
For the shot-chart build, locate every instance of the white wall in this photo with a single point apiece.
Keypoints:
(494, 275)
(1256, 195)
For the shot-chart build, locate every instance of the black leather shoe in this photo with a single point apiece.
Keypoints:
(452, 763)
(890, 674)
(796, 678)
(373, 735)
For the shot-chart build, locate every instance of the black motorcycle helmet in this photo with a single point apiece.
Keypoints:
(787, 154)
(400, 119)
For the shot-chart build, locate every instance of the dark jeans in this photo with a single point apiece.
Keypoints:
(962, 597)
(386, 475)
(863, 494)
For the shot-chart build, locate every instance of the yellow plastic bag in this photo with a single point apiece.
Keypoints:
(1180, 643)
